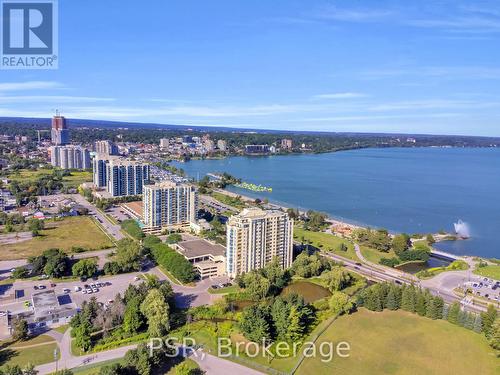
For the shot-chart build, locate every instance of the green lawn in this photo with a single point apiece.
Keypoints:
(62, 329)
(94, 369)
(230, 289)
(489, 271)
(22, 352)
(74, 180)
(375, 256)
(396, 342)
(325, 241)
(80, 231)
(230, 201)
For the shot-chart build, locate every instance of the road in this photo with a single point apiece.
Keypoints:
(211, 364)
(378, 274)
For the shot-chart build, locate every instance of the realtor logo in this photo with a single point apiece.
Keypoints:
(29, 34)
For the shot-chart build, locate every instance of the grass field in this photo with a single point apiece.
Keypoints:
(325, 241)
(36, 351)
(375, 256)
(396, 342)
(75, 179)
(78, 231)
(489, 271)
(230, 201)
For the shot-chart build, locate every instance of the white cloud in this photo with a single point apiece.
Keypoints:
(340, 95)
(50, 99)
(30, 85)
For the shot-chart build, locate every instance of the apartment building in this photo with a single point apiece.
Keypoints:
(105, 148)
(169, 204)
(126, 177)
(255, 237)
(70, 157)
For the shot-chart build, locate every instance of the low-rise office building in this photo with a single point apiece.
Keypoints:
(208, 258)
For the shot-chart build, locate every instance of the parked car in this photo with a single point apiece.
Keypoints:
(77, 288)
(66, 290)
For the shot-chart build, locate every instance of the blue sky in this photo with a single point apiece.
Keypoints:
(422, 66)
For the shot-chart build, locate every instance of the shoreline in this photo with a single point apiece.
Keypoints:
(342, 224)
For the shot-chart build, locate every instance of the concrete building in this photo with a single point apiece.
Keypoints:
(59, 133)
(70, 157)
(286, 144)
(169, 204)
(222, 145)
(255, 237)
(126, 177)
(208, 258)
(256, 149)
(105, 148)
(164, 143)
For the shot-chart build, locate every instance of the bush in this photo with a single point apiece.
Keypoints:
(112, 268)
(169, 259)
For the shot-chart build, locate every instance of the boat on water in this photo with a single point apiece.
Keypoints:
(254, 187)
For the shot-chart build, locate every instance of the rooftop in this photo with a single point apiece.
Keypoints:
(198, 248)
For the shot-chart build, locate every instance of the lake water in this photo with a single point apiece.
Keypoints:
(416, 190)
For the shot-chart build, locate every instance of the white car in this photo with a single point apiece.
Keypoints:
(89, 291)
(66, 290)
(77, 288)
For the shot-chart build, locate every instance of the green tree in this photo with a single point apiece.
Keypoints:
(296, 325)
(19, 329)
(338, 279)
(133, 319)
(391, 301)
(401, 243)
(280, 311)
(82, 336)
(494, 339)
(254, 323)
(84, 268)
(454, 313)
(488, 317)
(256, 285)
(56, 263)
(339, 303)
(156, 310)
(408, 299)
(20, 273)
(478, 324)
(35, 226)
(128, 255)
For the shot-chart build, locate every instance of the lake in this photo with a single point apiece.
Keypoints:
(413, 190)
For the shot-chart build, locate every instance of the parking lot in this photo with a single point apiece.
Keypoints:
(486, 288)
(117, 213)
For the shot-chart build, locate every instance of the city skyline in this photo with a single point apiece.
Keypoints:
(319, 66)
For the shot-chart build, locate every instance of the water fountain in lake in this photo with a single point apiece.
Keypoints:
(462, 229)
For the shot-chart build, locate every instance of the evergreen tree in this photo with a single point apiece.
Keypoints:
(433, 309)
(408, 299)
(391, 301)
(421, 304)
(439, 307)
(453, 313)
(446, 310)
(469, 323)
(488, 318)
(494, 339)
(295, 325)
(478, 324)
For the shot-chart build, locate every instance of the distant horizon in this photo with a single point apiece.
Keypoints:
(326, 66)
(228, 128)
